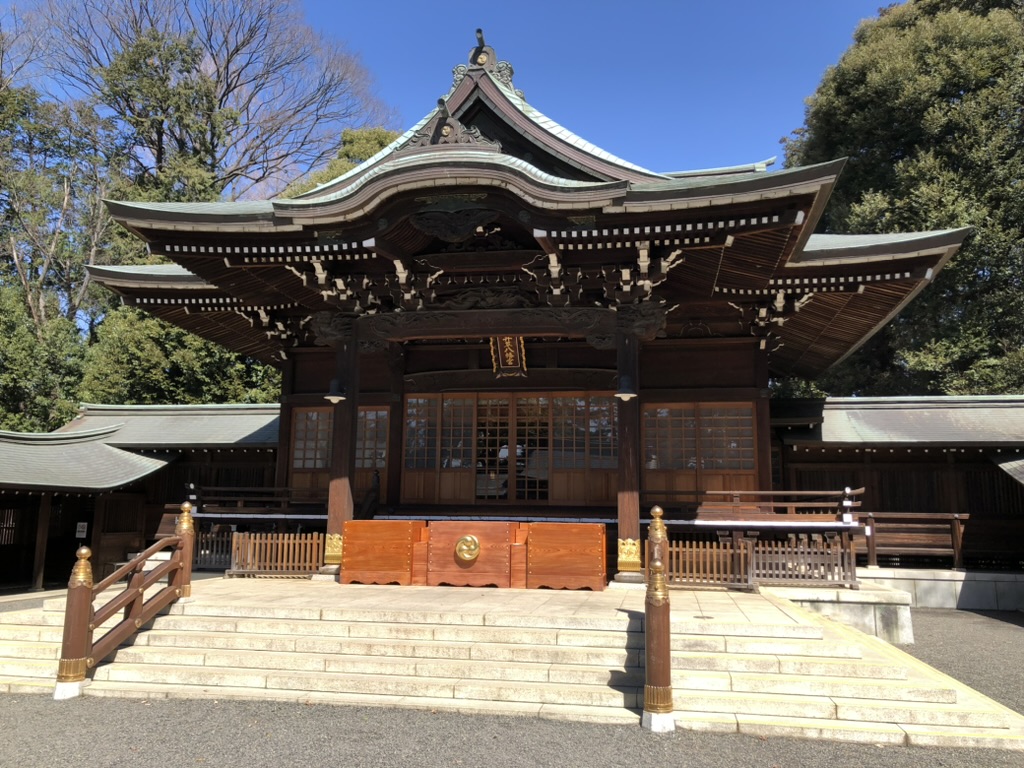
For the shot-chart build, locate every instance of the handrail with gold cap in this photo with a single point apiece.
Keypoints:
(79, 652)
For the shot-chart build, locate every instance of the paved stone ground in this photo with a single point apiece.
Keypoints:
(984, 649)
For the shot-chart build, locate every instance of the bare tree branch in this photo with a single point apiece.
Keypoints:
(290, 91)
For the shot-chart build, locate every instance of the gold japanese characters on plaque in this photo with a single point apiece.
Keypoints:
(508, 354)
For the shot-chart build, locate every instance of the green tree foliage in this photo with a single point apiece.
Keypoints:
(140, 360)
(927, 106)
(56, 162)
(40, 369)
(357, 146)
(169, 116)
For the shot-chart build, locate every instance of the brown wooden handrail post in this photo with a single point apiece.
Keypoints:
(957, 534)
(185, 528)
(77, 644)
(871, 534)
(657, 634)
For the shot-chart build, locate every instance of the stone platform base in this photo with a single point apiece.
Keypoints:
(966, 590)
(873, 609)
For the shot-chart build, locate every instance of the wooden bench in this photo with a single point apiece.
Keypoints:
(271, 504)
(918, 534)
(754, 504)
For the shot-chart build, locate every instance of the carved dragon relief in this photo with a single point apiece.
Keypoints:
(454, 226)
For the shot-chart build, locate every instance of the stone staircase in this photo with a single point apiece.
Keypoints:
(811, 678)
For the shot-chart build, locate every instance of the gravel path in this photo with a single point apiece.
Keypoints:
(37, 732)
(103, 733)
(984, 649)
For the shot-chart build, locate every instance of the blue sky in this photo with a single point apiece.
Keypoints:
(667, 84)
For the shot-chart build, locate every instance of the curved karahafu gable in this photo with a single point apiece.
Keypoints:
(488, 205)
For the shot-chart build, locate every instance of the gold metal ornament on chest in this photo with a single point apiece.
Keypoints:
(467, 548)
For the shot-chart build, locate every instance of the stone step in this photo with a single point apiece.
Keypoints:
(790, 665)
(844, 687)
(878, 733)
(31, 633)
(18, 684)
(579, 713)
(774, 646)
(390, 685)
(383, 665)
(46, 668)
(20, 649)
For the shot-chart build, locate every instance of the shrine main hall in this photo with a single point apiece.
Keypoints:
(493, 318)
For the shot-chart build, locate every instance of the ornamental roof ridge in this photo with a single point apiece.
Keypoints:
(88, 409)
(58, 438)
(915, 402)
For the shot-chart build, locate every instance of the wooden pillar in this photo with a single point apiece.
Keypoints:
(763, 423)
(42, 536)
(628, 567)
(282, 468)
(340, 502)
(396, 422)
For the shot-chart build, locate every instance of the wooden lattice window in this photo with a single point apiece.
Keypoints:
(584, 433)
(311, 438)
(670, 437)
(422, 415)
(727, 437)
(372, 438)
(457, 433)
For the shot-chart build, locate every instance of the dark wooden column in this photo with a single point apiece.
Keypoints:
(628, 567)
(282, 466)
(42, 536)
(340, 502)
(396, 422)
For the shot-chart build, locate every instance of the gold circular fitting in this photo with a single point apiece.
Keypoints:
(446, 131)
(481, 59)
(467, 548)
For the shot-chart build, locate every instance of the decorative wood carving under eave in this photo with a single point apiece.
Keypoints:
(547, 379)
(553, 322)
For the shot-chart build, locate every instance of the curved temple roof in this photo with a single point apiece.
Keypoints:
(487, 191)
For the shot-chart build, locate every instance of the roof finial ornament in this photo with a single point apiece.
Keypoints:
(442, 108)
(483, 54)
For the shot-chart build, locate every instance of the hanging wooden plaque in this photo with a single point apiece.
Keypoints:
(508, 354)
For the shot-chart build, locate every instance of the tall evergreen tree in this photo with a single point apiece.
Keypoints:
(926, 105)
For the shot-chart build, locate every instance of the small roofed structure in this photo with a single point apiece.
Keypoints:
(110, 477)
(491, 291)
(934, 457)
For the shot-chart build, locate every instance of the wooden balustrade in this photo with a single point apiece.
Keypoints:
(80, 650)
(276, 554)
(798, 560)
(213, 550)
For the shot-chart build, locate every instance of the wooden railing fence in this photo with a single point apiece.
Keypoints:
(745, 563)
(213, 551)
(276, 554)
(80, 650)
(817, 560)
(707, 563)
